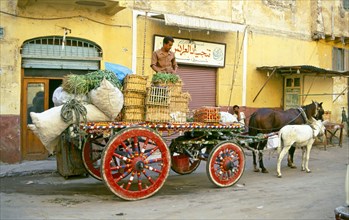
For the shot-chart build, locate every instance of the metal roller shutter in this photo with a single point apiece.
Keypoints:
(200, 82)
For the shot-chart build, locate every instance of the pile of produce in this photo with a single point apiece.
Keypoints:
(82, 84)
(165, 78)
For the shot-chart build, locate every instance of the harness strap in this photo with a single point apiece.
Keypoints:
(305, 118)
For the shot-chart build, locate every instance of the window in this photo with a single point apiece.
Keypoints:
(346, 4)
(340, 59)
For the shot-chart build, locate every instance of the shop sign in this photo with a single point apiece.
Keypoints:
(195, 52)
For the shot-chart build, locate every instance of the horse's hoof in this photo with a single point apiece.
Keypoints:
(279, 176)
(291, 165)
(265, 171)
(308, 171)
(256, 170)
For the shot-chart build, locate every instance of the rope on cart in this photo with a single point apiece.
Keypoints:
(73, 108)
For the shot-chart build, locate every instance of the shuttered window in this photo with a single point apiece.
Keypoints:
(200, 82)
(340, 59)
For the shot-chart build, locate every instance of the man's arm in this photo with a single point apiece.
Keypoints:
(155, 68)
(174, 64)
(154, 60)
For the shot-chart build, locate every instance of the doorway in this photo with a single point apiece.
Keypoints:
(37, 98)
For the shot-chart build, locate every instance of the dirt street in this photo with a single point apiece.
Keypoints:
(297, 195)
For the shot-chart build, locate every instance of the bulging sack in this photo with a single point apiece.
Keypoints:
(48, 125)
(107, 98)
(226, 117)
(61, 97)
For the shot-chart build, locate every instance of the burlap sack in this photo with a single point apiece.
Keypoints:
(48, 125)
(108, 98)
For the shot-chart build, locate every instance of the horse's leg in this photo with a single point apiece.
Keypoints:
(260, 154)
(290, 157)
(308, 149)
(281, 156)
(254, 162)
(303, 158)
(255, 159)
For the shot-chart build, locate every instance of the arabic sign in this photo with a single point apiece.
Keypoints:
(195, 52)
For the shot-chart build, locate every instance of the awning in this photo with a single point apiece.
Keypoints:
(202, 24)
(303, 69)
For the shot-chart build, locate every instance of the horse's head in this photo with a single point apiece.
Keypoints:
(311, 110)
(314, 110)
(320, 112)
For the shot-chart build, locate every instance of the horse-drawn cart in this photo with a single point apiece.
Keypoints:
(134, 159)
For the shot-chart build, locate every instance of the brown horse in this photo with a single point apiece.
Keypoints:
(266, 120)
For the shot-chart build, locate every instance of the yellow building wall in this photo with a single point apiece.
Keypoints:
(113, 34)
(224, 75)
(267, 50)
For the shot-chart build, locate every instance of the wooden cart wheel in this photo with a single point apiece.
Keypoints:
(226, 164)
(135, 163)
(91, 156)
(190, 167)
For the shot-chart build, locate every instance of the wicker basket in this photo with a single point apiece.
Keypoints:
(135, 83)
(175, 88)
(207, 114)
(133, 113)
(158, 96)
(180, 103)
(134, 98)
(157, 113)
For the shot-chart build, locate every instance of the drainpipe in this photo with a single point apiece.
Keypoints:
(135, 14)
(244, 68)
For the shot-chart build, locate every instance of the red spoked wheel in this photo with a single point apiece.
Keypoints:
(135, 163)
(226, 164)
(91, 156)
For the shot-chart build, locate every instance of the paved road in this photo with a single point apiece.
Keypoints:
(297, 195)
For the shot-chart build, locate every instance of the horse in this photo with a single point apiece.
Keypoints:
(266, 120)
(299, 136)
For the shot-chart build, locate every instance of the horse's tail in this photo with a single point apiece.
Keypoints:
(252, 125)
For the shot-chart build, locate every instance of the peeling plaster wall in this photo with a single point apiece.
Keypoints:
(335, 18)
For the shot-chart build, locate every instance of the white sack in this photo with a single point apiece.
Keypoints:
(273, 142)
(48, 125)
(226, 117)
(94, 114)
(61, 97)
(108, 98)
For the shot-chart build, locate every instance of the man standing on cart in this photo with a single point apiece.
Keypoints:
(163, 60)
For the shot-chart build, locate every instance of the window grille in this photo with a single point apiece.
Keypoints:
(53, 47)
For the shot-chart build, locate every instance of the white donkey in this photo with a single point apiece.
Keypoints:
(301, 136)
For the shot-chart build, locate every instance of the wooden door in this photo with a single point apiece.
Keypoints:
(35, 99)
(292, 92)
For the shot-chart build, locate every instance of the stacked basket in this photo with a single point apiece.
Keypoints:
(178, 107)
(207, 114)
(135, 90)
(157, 104)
